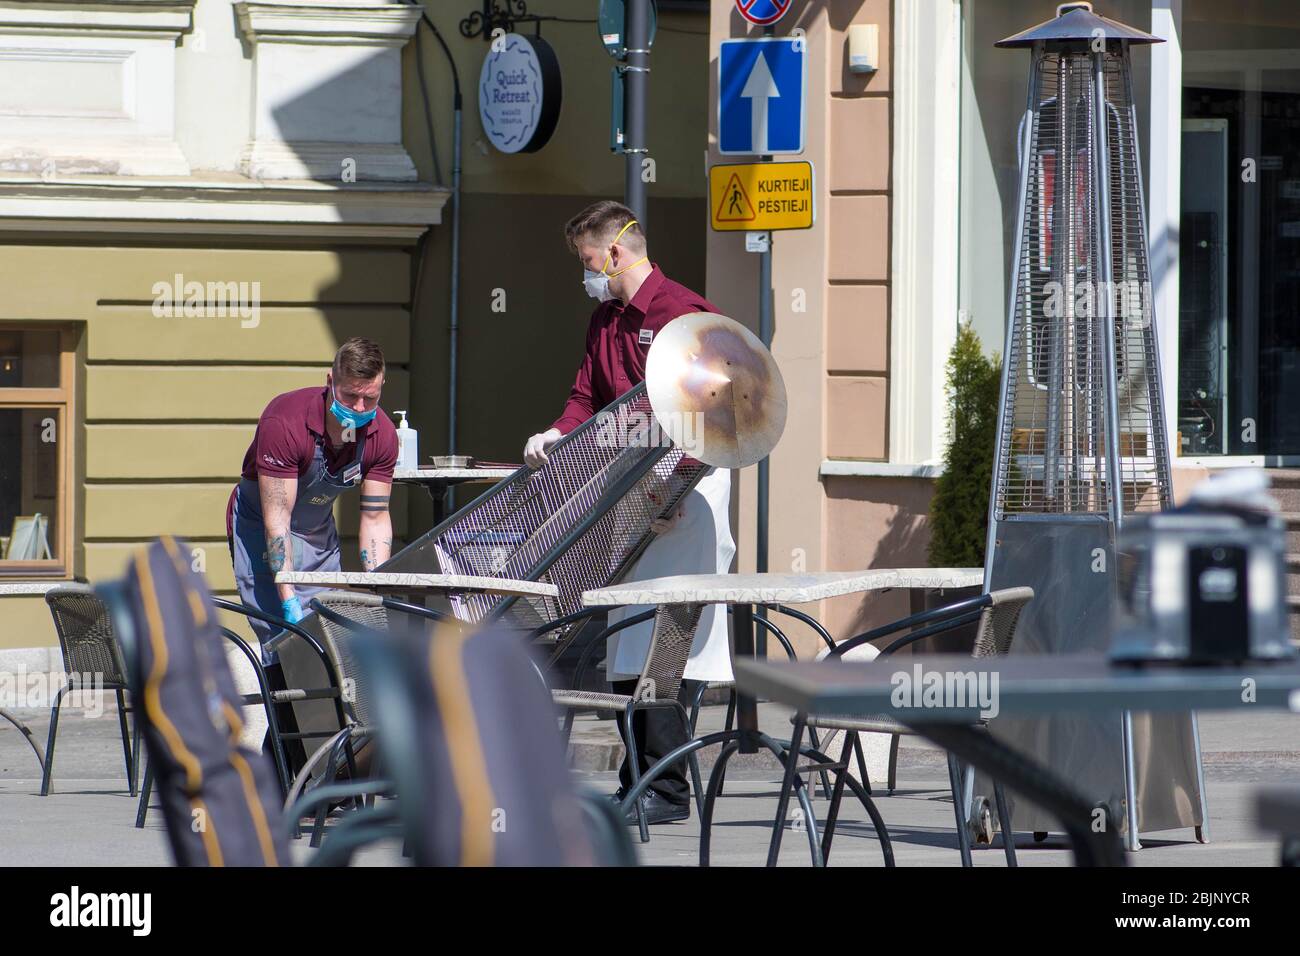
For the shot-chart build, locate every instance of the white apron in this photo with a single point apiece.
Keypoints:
(700, 543)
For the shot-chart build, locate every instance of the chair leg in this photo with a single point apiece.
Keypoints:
(727, 725)
(837, 794)
(892, 783)
(48, 775)
(634, 767)
(331, 768)
(567, 731)
(1004, 822)
(693, 761)
(711, 797)
(862, 761)
(145, 790)
(817, 745)
(135, 750)
(810, 822)
(695, 706)
(963, 834)
(126, 739)
(787, 783)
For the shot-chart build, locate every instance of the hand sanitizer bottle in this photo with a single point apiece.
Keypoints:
(408, 455)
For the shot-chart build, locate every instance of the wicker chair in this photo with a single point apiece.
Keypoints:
(343, 616)
(89, 647)
(998, 614)
(657, 687)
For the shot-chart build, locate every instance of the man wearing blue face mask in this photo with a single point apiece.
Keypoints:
(311, 445)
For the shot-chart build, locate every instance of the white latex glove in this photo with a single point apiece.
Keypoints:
(537, 447)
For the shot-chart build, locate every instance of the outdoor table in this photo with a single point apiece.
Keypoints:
(1028, 685)
(25, 589)
(744, 593)
(436, 481)
(408, 581)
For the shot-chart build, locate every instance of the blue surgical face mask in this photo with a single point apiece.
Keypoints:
(349, 418)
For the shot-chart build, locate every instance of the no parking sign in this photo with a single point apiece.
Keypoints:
(763, 12)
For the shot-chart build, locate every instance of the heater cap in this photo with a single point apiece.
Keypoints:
(1076, 22)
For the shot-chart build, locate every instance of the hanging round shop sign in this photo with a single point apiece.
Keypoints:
(519, 93)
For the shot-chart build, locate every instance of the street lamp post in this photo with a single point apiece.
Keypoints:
(636, 82)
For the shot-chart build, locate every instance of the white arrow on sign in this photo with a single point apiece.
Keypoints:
(759, 88)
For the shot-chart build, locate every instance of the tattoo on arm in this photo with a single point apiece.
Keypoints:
(275, 553)
(379, 551)
(374, 502)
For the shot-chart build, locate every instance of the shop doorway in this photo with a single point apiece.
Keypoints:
(1239, 257)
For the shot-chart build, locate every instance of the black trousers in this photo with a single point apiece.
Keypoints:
(658, 732)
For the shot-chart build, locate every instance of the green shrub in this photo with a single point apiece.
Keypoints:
(960, 507)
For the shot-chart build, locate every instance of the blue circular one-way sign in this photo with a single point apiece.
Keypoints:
(763, 12)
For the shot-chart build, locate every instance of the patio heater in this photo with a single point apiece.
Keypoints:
(1081, 439)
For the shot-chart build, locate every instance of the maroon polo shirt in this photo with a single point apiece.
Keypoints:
(285, 441)
(618, 339)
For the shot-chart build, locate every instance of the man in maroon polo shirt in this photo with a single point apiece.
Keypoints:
(311, 445)
(637, 300)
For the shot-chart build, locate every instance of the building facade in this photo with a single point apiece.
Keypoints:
(199, 199)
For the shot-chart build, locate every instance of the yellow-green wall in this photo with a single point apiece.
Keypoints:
(166, 406)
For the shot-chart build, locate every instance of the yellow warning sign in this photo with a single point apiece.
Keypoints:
(761, 196)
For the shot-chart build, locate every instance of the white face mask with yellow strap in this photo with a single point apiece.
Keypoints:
(597, 283)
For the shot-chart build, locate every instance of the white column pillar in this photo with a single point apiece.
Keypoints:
(327, 90)
(926, 167)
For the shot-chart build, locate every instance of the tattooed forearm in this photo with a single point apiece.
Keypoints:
(376, 553)
(275, 552)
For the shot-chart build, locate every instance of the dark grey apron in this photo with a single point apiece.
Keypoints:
(314, 538)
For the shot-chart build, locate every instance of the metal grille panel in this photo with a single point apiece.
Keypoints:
(1081, 273)
(579, 522)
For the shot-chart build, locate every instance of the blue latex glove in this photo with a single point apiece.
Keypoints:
(291, 610)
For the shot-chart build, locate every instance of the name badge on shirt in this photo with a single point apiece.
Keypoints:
(645, 336)
(352, 473)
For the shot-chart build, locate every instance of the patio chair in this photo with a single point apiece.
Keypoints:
(219, 799)
(657, 687)
(998, 614)
(273, 701)
(90, 653)
(476, 759)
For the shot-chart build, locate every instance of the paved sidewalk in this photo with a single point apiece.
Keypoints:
(88, 820)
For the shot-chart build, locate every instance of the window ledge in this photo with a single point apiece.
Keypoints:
(836, 467)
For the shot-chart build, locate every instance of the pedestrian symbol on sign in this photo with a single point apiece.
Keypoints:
(735, 206)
